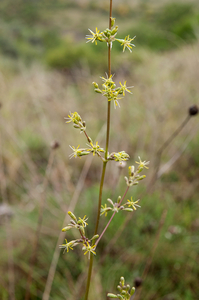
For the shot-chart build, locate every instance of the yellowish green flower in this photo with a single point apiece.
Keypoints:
(89, 249)
(124, 88)
(74, 117)
(95, 148)
(126, 43)
(142, 164)
(94, 37)
(78, 152)
(104, 210)
(67, 246)
(133, 204)
(83, 221)
(108, 81)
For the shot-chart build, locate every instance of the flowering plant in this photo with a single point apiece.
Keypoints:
(113, 94)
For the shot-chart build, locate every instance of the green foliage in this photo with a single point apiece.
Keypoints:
(28, 33)
(168, 27)
(67, 55)
(152, 37)
(179, 19)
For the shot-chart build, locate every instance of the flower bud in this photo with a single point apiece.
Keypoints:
(123, 292)
(114, 30)
(82, 153)
(118, 199)
(119, 288)
(141, 177)
(127, 181)
(110, 295)
(110, 201)
(107, 32)
(72, 222)
(76, 126)
(140, 169)
(98, 91)
(72, 216)
(112, 21)
(66, 228)
(122, 281)
(128, 209)
(95, 84)
(132, 291)
(95, 237)
(131, 170)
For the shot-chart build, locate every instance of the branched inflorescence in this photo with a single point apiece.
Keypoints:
(92, 147)
(114, 93)
(109, 36)
(110, 91)
(131, 180)
(83, 240)
(125, 292)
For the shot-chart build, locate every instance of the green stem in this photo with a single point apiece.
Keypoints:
(104, 163)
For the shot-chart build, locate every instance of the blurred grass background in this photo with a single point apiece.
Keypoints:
(46, 71)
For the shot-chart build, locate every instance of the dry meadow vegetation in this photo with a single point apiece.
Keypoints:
(160, 243)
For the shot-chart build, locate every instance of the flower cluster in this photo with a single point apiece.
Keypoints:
(130, 206)
(109, 36)
(119, 156)
(134, 176)
(94, 148)
(110, 91)
(79, 224)
(125, 292)
(77, 120)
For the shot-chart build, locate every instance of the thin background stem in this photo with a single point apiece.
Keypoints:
(161, 150)
(39, 224)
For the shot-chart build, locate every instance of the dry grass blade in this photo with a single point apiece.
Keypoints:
(39, 223)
